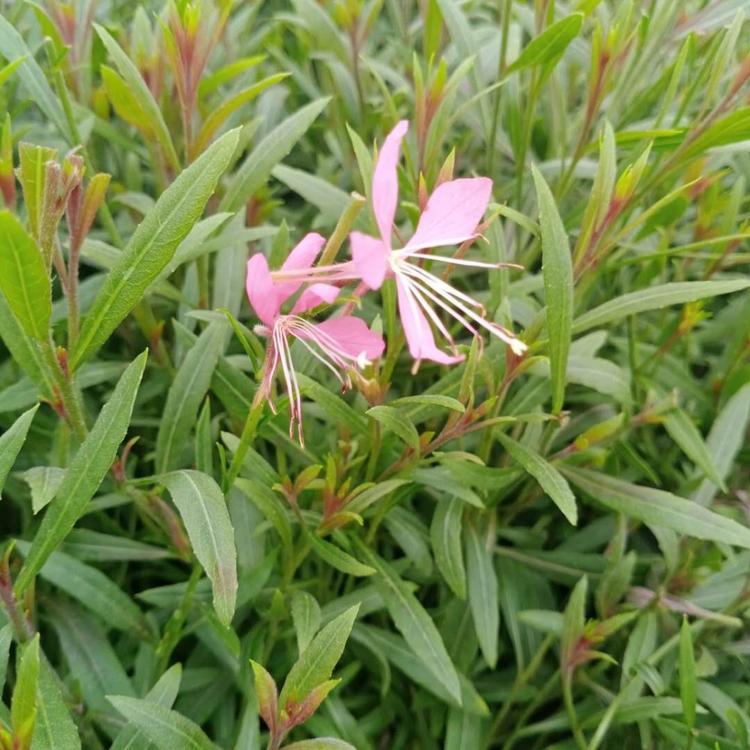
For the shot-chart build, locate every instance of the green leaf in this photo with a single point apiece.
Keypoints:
(88, 468)
(654, 298)
(204, 513)
(682, 430)
(548, 47)
(44, 482)
(93, 590)
(337, 558)
(12, 46)
(398, 423)
(189, 388)
(725, 439)
(413, 622)
(153, 244)
(256, 168)
(330, 200)
(164, 693)
(24, 281)
(266, 693)
(549, 478)
(6, 638)
(268, 503)
(317, 661)
(218, 116)
(23, 701)
(482, 581)
(306, 618)
(11, 442)
(25, 350)
(688, 683)
(445, 535)
(574, 619)
(557, 269)
(32, 175)
(141, 93)
(167, 729)
(659, 508)
(54, 728)
(321, 743)
(430, 399)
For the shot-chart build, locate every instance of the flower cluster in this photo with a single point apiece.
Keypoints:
(344, 343)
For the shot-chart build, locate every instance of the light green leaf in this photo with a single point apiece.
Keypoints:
(430, 399)
(688, 683)
(141, 93)
(23, 701)
(549, 478)
(88, 468)
(189, 388)
(659, 508)
(654, 298)
(413, 622)
(268, 503)
(574, 619)
(54, 728)
(24, 280)
(204, 513)
(11, 442)
(317, 661)
(337, 558)
(398, 423)
(557, 269)
(445, 535)
(482, 581)
(163, 693)
(167, 729)
(321, 743)
(330, 200)
(548, 47)
(153, 245)
(334, 407)
(93, 590)
(44, 482)
(12, 46)
(725, 439)
(306, 618)
(682, 430)
(254, 171)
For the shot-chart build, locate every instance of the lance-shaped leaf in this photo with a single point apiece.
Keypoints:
(167, 729)
(415, 624)
(548, 47)
(23, 702)
(557, 269)
(549, 478)
(11, 442)
(483, 603)
(153, 244)
(320, 743)
(141, 94)
(317, 661)
(204, 513)
(12, 47)
(267, 694)
(254, 171)
(24, 280)
(86, 471)
(54, 728)
(32, 175)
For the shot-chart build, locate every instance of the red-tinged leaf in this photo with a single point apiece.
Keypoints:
(267, 694)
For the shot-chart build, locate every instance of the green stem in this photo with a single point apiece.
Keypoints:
(500, 72)
(248, 435)
(343, 227)
(571, 710)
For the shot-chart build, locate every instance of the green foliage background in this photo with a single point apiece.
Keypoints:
(548, 551)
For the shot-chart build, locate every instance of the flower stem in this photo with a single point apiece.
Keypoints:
(343, 227)
(247, 437)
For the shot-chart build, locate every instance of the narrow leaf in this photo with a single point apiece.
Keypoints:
(204, 513)
(88, 468)
(11, 442)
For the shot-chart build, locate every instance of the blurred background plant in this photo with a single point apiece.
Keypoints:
(548, 549)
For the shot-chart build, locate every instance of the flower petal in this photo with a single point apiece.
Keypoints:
(385, 181)
(314, 295)
(302, 256)
(417, 330)
(353, 336)
(261, 291)
(370, 257)
(452, 213)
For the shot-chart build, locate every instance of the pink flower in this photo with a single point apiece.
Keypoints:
(451, 217)
(341, 344)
